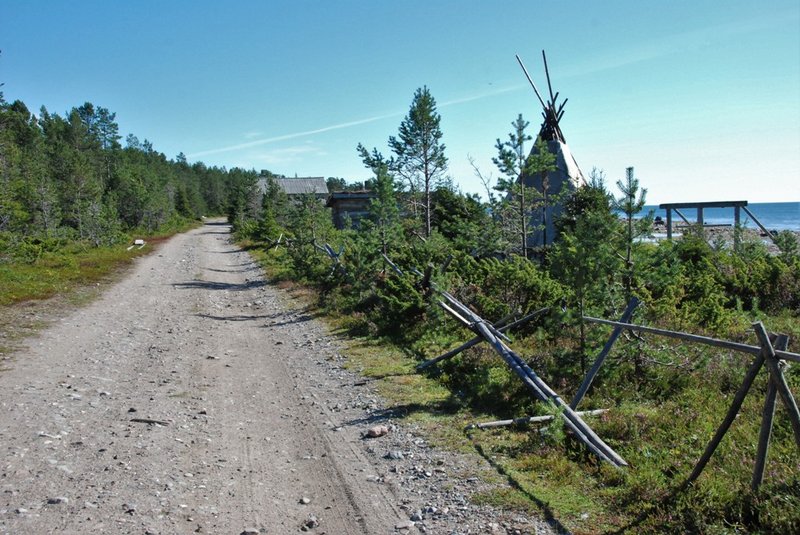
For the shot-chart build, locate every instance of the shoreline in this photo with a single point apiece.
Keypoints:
(723, 233)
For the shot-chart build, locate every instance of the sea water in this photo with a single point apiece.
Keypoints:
(773, 215)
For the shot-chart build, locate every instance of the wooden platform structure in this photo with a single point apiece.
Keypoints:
(737, 206)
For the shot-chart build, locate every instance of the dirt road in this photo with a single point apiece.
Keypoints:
(193, 397)
(182, 401)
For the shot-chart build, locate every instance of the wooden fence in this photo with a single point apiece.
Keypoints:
(772, 353)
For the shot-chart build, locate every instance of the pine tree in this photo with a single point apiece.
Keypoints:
(419, 151)
(274, 210)
(242, 196)
(584, 258)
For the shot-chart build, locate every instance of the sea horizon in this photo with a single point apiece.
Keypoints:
(773, 215)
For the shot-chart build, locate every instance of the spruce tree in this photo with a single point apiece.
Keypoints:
(631, 203)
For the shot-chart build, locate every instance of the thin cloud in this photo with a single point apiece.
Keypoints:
(295, 135)
(482, 95)
(287, 154)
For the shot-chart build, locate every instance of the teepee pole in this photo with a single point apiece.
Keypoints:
(528, 76)
(547, 74)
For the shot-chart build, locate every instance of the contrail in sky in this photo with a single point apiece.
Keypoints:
(339, 126)
(482, 95)
(291, 136)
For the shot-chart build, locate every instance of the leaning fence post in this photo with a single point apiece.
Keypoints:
(780, 380)
(392, 265)
(728, 420)
(587, 381)
(764, 435)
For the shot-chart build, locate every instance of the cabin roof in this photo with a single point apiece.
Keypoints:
(304, 185)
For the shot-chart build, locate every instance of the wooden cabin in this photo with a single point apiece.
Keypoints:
(349, 206)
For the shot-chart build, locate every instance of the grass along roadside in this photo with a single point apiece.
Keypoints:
(33, 294)
(660, 425)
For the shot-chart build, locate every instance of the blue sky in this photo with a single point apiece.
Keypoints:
(701, 97)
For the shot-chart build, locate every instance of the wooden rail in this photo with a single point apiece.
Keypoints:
(725, 344)
(737, 206)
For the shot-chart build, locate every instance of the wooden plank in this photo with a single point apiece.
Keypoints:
(682, 216)
(725, 344)
(764, 435)
(757, 222)
(501, 324)
(392, 265)
(531, 420)
(544, 393)
(457, 316)
(669, 223)
(708, 204)
(472, 316)
(536, 385)
(573, 418)
(587, 381)
(737, 222)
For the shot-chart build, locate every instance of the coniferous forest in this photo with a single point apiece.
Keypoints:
(71, 178)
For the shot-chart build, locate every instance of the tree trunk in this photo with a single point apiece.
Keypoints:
(582, 327)
(427, 201)
(522, 216)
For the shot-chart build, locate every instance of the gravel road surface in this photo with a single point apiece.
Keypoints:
(193, 397)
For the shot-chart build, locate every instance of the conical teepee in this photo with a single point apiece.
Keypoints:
(566, 177)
